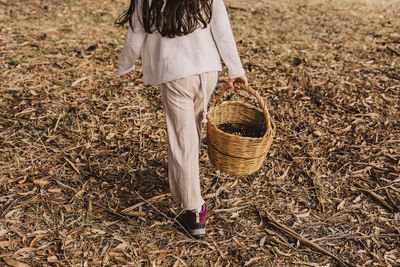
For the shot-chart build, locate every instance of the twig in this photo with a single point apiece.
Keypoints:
(391, 75)
(58, 120)
(66, 259)
(237, 241)
(376, 197)
(195, 241)
(305, 174)
(162, 213)
(389, 196)
(123, 216)
(73, 166)
(325, 40)
(67, 186)
(11, 89)
(229, 210)
(374, 235)
(300, 238)
(219, 250)
(393, 51)
(145, 201)
(236, 8)
(136, 213)
(355, 237)
(179, 260)
(391, 200)
(389, 42)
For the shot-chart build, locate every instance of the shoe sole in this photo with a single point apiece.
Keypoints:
(198, 233)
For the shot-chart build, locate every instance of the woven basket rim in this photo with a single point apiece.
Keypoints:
(236, 102)
(267, 133)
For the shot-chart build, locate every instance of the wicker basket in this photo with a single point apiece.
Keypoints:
(235, 154)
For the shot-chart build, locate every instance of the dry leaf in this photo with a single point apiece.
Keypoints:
(54, 190)
(252, 260)
(317, 133)
(304, 263)
(341, 205)
(12, 213)
(262, 241)
(33, 191)
(14, 263)
(42, 182)
(75, 83)
(4, 244)
(25, 250)
(121, 259)
(302, 215)
(37, 239)
(52, 259)
(3, 232)
(122, 246)
(357, 199)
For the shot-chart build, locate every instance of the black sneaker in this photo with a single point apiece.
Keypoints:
(195, 222)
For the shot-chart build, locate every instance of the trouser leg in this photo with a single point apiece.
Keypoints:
(184, 108)
(183, 142)
(208, 81)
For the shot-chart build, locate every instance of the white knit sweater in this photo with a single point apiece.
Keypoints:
(167, 59)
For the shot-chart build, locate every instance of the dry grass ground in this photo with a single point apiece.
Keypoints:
(78, 145)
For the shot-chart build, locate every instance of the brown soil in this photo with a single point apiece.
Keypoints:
(240, 129)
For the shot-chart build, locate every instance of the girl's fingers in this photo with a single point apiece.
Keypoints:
(127, 75)
(230, 82)
(242, 79)
(231, 85)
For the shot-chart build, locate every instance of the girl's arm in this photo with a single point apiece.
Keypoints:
(132, 47)
(223, 36)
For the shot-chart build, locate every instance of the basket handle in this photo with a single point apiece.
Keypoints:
(241, 86)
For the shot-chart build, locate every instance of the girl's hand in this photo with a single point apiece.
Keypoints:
(127, 75)
(241, 79)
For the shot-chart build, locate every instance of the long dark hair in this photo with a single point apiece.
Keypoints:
(176, 18)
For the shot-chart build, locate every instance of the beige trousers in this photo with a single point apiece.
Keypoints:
(185, 104)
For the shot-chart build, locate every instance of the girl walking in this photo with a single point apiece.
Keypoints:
(181, 43)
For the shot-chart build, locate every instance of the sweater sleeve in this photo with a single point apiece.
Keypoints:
(223, 36)
(133, 45)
